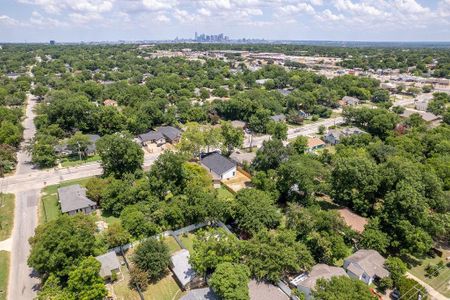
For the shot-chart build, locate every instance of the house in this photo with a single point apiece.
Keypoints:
(350, 101)
(306, 282)
(366, 265)
(426, 116)
(182, 269)
(238, 124)
(110, 102)
(73, 200)
(265, 291)
(422, 105)
(261, 81)
(278, 118)
(218, 166)
(152, 137)
(315, 144)
(62, 150)
(92, 148)
(170, 133)
(303, 114)
(334, 136)
(200, 294)
(109, 264)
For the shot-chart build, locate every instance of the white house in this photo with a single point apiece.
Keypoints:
(366, 265)
(219, 166)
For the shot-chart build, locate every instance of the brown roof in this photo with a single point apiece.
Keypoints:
(265, 291)
(314, 142)
(354, 221)
(109, 102)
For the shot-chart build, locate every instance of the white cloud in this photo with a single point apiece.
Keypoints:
(7, 20)
(316, 2)
(216, 4)
(85, 19)
(411, 6)
(57, 6)
(297, 8)
(327, 15)
(204, 12)
(159, 4)
(357, 8)
(162, 19)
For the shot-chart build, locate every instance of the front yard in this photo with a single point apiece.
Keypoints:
(440, 283)
(7, 204)
(72, 161)
(4, 272)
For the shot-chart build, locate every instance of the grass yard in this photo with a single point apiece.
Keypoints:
(165, 289)
(75, 161)
(7, 204)
(188, 241)
(172, 244)
(224, 194)
(4, 272)
(48, 206)
(441, 283)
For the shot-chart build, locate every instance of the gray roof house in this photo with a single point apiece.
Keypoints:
(152, 137)
(366, 265)
(334, 136)
(181, 268)
(307, 281)
(347, 100)
(219, 166)
(171, 133)
(278, 118)
(73, 200)
(200, 294)
(109, 263)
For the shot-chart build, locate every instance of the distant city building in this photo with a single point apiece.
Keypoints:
(213, 38)
(52, 42)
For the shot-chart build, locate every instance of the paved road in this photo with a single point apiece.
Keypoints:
(24, 165)
(22, 283)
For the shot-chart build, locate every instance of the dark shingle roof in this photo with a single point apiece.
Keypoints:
(73, 197)
(93, 138)
(217, 163)
(200, 294)
(170, 132)
(151, 136)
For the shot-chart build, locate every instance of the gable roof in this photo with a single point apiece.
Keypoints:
(278, 118)
(170, 132)
(181, 267)
(217, 163)
(265, 291)
(109, 262)
(314, 142)
(319, 271)
(151, 136)
(368, 261)
(73, 197)
(356, 222)
(200, 294)
(348, 99)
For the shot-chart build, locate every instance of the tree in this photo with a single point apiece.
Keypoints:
(85, 282)
(380, 96)
(233, 137)
(298, 146)
(193, 140)
(95, 187)
(270, 155)
(79, 143)
(270, 255)
(373, 237)
(119, 155)
(396, 267)
(355, 180)
(278, 130)
(43, 151)
(7, 159)
(342, 287)
(230, 281)
(60, 244)
(152, 256)
(52, 290)
(213, 247)
(116, 235)
(10, 134)
(255, 211)
(138, 279)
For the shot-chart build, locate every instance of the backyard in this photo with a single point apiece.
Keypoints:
(4, 272)
(441, 282)
(6, 215)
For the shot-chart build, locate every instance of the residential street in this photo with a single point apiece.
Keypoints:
(24, 165)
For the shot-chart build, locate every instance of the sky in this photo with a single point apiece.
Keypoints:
(131, 20)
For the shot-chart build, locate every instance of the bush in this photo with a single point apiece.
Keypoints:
(138, 278)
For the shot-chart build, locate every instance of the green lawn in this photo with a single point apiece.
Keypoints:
(188, 241)
(72, 161)
(440, 282)
(6, 215)
(223, 193)
(165, 289)
(4, 272)
(172, 244)
(48, 206)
